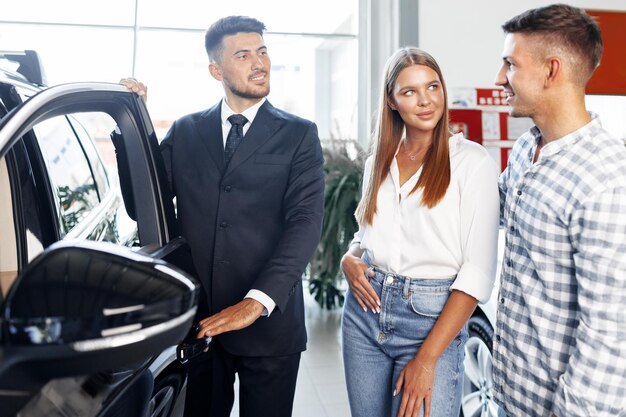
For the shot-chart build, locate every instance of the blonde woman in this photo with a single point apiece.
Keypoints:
(425, 252)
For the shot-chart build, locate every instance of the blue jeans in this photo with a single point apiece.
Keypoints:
(376, 347)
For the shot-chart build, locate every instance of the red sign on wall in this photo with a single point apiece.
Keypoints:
(490, 97)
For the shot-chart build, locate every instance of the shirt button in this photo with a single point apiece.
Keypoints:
(502, 300)
(498, 337)
(519, 192)
(512, 229)
(509, 263)
(223, 225)
(227, 188)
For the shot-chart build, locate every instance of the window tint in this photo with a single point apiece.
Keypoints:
(70, 173)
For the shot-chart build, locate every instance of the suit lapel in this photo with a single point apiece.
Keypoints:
(265, 124)
(210, 133)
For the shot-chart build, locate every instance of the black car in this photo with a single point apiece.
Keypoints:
(93, 302)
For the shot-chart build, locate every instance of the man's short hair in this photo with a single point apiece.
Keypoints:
(563, 28)
(228, 26)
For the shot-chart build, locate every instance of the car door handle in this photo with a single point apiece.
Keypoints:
(188, 349)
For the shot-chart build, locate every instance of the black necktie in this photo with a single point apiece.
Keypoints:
(234, 136)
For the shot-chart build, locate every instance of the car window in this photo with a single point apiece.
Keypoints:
(8, 243)
(71, 184)
(70, 173)
(97, 166)
(94, 130)
(82, 168)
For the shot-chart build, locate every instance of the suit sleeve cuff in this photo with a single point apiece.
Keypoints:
(264, 299)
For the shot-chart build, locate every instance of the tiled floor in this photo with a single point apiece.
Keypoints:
(321, 387)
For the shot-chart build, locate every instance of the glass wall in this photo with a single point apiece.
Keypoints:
(313, 47)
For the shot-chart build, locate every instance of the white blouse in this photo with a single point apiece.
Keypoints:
(456, 237)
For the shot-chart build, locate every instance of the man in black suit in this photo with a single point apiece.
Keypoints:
(252, 221)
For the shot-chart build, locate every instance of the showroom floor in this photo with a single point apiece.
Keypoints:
(321, 387)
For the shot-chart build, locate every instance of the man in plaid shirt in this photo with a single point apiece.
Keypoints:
(560, 338)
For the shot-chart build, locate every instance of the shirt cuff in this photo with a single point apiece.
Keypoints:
(473, 281)
(264, 299)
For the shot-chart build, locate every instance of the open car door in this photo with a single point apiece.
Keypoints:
(36, 140)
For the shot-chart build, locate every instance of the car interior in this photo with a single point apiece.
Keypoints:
(8, 250)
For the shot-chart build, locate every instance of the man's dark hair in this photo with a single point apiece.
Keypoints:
(229, 26)
(563, 27)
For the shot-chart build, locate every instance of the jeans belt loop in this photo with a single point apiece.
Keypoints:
(407, 285)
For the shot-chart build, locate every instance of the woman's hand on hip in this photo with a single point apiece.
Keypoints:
(416, 383)
(356, 272)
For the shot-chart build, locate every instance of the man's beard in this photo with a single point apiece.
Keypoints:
(248, 94)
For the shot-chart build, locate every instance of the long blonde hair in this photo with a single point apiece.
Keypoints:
(435, 176)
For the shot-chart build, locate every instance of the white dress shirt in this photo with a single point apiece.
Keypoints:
(250, 114)
(457, 237)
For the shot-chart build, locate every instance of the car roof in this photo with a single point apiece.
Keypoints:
(12, 78)
(22, 68)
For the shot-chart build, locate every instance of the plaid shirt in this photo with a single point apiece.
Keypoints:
(560, 338)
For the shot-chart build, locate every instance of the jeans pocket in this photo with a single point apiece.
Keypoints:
(377, 286)
(428, 303)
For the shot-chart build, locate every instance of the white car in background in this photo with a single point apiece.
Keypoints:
(478, 389)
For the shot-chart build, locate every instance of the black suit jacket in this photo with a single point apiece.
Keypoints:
(252, 224)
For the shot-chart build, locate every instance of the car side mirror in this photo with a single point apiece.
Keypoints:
(85, 307)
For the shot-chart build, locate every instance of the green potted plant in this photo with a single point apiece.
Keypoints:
(343, 167)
